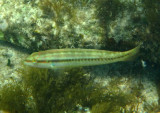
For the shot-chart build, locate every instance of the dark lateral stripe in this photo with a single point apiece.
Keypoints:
(72, 51)
(62, 60)
(70, 60)
(89, 59)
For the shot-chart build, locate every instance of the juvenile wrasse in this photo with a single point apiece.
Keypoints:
(63, 58)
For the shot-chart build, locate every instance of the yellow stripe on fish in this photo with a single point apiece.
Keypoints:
(63, 58)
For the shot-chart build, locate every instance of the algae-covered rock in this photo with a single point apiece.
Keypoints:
(151, 38)
(13, 98)
(76, 90)
(47, 24)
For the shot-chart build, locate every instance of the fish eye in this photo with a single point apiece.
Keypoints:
(34, 60)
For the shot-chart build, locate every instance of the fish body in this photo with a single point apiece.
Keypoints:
(63, 58)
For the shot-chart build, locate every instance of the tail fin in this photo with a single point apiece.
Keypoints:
(132, 54)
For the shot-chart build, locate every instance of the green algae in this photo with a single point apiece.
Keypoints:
(108, 10)
(56, 93)
(13, 98)
(1, 35)
(48, 91)
(152, 34)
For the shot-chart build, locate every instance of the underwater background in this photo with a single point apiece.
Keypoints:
(28, 26)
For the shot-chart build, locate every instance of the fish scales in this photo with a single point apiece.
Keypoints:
(62, 58)
(74, 54)
(70, 54)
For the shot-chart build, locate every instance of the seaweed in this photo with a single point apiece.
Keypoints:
(13, 98)
(55, 93)
(63, 91)
(50, 91)
(151, 36)
(108, 10)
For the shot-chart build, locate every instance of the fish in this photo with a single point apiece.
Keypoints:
(65, 58)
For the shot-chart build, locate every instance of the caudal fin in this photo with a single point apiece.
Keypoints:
(132, 54)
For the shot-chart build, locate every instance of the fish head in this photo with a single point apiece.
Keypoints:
(31, 60)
